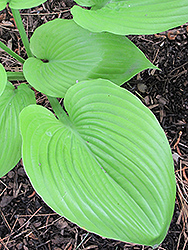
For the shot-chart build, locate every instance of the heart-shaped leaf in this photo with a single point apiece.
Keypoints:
(12, 101)
(3, 79)
(66, 53)
(107, 166)
(134, 17)
(20, 4)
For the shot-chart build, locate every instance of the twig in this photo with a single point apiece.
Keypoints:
(44, 14)
(82, 241)
(30, 218)
(5, 220)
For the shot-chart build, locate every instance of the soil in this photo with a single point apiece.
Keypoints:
(26, 222)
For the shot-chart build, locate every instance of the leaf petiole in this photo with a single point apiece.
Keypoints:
(15, 76)
(11, 52)
(18, 20)
(60, 113)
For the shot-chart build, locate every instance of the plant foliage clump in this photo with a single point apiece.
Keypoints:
(103, 161)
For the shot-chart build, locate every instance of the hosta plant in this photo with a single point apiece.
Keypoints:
(102, 160)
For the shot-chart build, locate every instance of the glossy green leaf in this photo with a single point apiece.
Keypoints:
(12, 101)
(20, 4)
(3, 79)
(107, 166)
(134, 17)
(66, 53)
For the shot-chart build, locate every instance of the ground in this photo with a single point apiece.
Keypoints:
(26, 222)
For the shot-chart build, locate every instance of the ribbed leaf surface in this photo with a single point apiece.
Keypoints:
(3, 79)
(12, 101)
(20, 4)
(3, 4)
(106, 167)
(134, 17)
(66, 53)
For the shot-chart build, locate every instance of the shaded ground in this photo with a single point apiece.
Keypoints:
(26, 222)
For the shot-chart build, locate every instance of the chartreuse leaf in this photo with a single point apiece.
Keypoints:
(134, 17)
(3, 4)
(107, 166)
(3, 79)
(66, 53)
(12, 101)
(20, 4)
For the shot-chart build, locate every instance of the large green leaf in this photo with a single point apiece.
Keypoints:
(107, 166)
(134, 17)
(12, 101)
(20, 4)
(66, 53)
(3, 79)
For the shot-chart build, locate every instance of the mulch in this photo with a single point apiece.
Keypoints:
(26, 222)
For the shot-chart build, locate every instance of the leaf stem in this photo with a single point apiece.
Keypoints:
(15, 76)
(18, 20)
(60, 113)
(11, 52)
